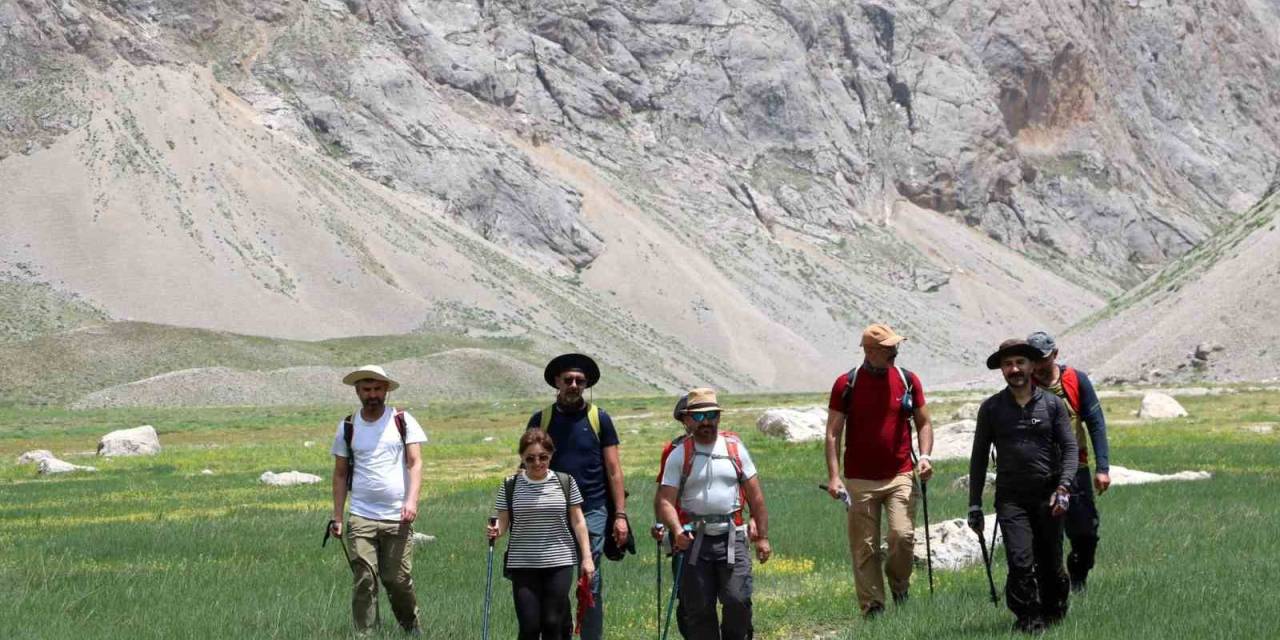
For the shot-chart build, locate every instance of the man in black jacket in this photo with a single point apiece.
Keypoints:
(1036, 460)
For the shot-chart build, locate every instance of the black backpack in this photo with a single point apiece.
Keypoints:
(349, 431)
(510, 485)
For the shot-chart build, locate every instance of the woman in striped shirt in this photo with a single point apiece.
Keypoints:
(543, 549)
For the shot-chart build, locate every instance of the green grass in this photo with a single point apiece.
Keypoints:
(149, 548)
(76, 363)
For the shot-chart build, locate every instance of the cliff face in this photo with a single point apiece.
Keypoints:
(698, 190)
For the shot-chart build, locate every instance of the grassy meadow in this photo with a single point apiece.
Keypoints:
(150, 548)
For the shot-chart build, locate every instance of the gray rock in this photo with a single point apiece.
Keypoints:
(34, 456)
(52, 466)
(954, 544)
(1123, 476)
(138, 441)
(422, 539)
(1160, 406)
(962, 483)
(967, 411)
(288, 478)
(954, 440)
(794, 425)
(206, 472)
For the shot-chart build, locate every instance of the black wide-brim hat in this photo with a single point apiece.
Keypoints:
(1013, 347)
(565, 362)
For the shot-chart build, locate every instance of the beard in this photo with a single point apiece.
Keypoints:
(1017, 379)
(372, 403)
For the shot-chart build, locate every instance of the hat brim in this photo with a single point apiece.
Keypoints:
(1026, 350)
(681, 405)
(569, 361)
(702, 406)
(891, 341)
(356, 376)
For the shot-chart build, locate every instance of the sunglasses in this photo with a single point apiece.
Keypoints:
(541, 457)
(702, 416)
(571, 382)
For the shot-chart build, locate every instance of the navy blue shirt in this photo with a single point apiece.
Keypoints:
(578, 452)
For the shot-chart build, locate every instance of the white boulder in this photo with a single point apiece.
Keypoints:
(1159, 406)
(34, 456)
(967, 411)
(53, 465)
(962, 483)
(288, 478)
(953, 543)
(794, 425)
(138, 441)
(1123, 476)
(422, 538)
(206, 472)
(954, 440)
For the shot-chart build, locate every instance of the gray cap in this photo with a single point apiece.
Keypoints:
(678, 414)
(1043, 342)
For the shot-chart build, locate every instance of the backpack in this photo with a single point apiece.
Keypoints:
(348, 433)
(731, 442)
(908, 400)
(510, 485)
(1070, 380)
(593, 417)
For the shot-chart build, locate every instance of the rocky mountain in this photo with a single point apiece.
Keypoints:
(1210, 315)
(696, 190)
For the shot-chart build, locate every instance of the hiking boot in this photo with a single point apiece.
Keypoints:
(873, 611)
(900, 599)
(1030, 626)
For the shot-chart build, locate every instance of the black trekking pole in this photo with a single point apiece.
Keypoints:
(488, 582)
(986, 562)
(657, 557)
(675, 590)
(924, 498)
(928, 548)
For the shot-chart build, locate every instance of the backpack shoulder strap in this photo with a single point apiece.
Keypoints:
(1071, 387)
(349, 432)
(731, 445)
(847, 398)
(401, 425)
(545, 417)
(510, 485)
(593, 417)
(563, 479)
(686, 467)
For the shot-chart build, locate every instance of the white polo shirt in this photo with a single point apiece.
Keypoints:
(381, 476)
(712, 486)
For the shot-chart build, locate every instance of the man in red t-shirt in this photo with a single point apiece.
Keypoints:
(874, 418)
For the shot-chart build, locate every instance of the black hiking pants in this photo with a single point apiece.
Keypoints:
(542, 602)
(1082, 526)
(713, 579)
(1037, 586)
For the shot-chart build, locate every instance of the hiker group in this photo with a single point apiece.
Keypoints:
(566, 506)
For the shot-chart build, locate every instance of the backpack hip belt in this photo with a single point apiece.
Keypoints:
(698, 524)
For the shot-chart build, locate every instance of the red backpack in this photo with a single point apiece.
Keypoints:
(731, 443)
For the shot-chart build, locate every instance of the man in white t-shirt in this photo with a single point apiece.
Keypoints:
(378, 460)
(709, 492)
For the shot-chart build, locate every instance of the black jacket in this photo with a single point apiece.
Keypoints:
(1035, 449)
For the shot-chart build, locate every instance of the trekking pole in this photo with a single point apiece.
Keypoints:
(924, 498)
(986, 562)
(488, 582)
(675, 590)
(657, 556)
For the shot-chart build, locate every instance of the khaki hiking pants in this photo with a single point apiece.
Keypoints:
(897, 497)
(384, 548)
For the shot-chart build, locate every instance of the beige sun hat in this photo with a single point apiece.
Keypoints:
(370, 372)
